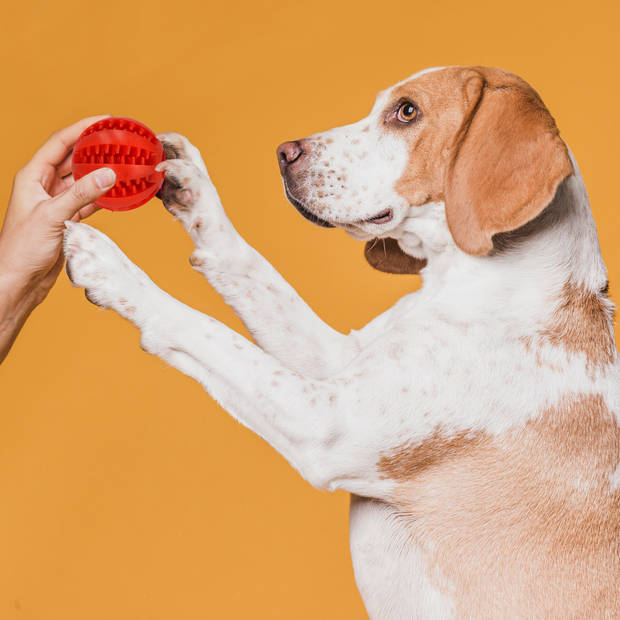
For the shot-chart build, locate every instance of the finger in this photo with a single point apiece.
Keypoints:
(81, 194)
(59, 144)
(76, 217)
(85, 212)
(65, 166)
(60, 185)
(88, 211)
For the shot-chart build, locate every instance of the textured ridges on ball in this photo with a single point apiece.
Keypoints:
(131, 187)
(115, 154)
(125, 124)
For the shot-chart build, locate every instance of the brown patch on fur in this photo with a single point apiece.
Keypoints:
(525, 525)
(194, 261)
(582, 323)
(487, 146)
(507, 164)
(408, 459)
(386, 255)
(431, 139)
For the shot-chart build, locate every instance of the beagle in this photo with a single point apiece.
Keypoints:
(476, 422)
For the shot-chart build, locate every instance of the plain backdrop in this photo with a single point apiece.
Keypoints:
(125, 492)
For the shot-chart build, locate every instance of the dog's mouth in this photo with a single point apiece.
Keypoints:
(315, 219)
(381, 218)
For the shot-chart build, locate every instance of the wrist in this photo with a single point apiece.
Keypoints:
(17, 297)
(16, 304)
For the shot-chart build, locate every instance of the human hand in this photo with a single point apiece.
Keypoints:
(44, 196)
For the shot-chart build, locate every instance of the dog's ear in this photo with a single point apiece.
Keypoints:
(506, 164)
(385, 255)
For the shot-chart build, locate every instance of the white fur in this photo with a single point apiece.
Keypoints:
(390, 572)
(450, 354)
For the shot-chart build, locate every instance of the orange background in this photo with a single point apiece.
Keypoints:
(125, 492)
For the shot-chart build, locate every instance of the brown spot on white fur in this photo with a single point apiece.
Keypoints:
(407, 460)
(531, 511)
(582, 323)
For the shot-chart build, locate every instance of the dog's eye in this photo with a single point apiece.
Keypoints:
(407, 112)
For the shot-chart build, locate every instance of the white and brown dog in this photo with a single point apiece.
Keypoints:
(476, 422)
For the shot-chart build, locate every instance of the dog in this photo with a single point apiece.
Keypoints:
(476, 422)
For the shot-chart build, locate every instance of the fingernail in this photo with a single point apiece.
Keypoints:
(105, 178)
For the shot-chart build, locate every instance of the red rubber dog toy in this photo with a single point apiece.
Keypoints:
(128, 147)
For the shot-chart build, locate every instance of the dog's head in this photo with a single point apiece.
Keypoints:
(477, 141)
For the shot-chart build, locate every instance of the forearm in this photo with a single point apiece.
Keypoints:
(280, 321)
(17, 301)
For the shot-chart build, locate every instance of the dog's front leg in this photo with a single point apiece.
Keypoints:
(280, 321)
(312, 423)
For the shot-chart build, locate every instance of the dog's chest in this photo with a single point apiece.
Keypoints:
(390, 572)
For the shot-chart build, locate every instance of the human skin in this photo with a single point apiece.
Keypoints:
(44, 196)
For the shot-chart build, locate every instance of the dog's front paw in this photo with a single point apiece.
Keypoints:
(182, 188)
(177, 146)
(96, 263)
(187, 192)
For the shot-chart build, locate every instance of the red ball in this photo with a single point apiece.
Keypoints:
(128, 147)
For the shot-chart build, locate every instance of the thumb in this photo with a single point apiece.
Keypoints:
(83, 192)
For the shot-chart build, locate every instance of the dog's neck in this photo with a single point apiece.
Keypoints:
(526, 270)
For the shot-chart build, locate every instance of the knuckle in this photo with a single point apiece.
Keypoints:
(22, 174)
(54, 136)
(80, 192)
(45, 214)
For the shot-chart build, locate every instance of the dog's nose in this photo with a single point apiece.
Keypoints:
(288, 152)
